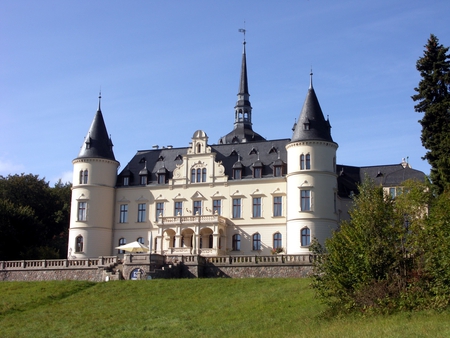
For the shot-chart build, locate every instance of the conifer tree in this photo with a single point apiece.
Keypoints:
(433, 99)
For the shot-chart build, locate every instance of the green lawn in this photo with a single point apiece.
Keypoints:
(192, 308)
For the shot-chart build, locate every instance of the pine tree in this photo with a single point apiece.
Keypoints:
(433, 97)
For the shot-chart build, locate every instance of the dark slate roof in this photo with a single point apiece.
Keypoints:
(263, 154)
(311, 116)
(241, 134)
(97, 143)
(386, 175)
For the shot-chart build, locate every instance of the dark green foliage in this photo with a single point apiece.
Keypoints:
(34, 218)
(433, 97)
(376, 260)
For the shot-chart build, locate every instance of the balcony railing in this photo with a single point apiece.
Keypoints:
(171, 220)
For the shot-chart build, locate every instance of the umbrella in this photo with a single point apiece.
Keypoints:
(134, 247)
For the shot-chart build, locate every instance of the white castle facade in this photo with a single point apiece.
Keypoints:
(244, 195)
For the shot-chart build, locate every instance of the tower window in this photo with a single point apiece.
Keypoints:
(82, 211)
(305, 204)
(305, 236)
(79, 243)
(83, 176)
(305, 162)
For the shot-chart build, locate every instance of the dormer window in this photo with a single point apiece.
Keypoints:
(161, 178)
(126, 181)
(143, 179)
(306, 126)
(237, 173)
(257, 169)
(278, 171)
(162, 175)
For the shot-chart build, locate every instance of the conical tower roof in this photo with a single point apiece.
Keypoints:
(311, 123)
(97, 143)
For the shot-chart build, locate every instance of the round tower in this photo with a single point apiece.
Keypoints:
(93, 193)
(311, 179)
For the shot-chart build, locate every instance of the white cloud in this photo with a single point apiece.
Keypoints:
(65, 177)
(7, 167)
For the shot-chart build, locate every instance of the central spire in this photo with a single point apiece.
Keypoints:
(243, 131)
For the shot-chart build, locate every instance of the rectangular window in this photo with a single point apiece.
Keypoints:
(305, 200)
(199, 175)
(141, 212)
(308, 161)
(178, 211)
(82, 211)
(159, 210)
(277, 171)
(237, 174)
(217, 206)
(204, 175)
(256, 206)
(236, 208)
(126, 180)
(197, 207)
(161, 178)
(257, 172)
(143, 180)
(277, 206)
(123, 213)
(193, 176)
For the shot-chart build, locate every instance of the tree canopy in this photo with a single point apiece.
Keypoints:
(433, 99)
(34, 218)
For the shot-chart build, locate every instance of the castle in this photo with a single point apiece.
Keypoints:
(244, 195)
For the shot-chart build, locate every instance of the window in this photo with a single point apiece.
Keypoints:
(236, 208)
(122, 241)
(305, 236)
(256, 206)
(79, 243)
(308, 161)
(141, 212)
(82, 211)
(256, 239)
(237, 174)
(140, 240)
(278, 171)
(161, 178)
(126, 180)
(143, 180)
(305, 200)
(210, 240)
(302, 162)
(199, 175)
(193, 176)
(83, 176)
(123, 213)
(159, 210)
(236, 245)
(178, 211)
(277, 241)
(197, 207)
(277, 206)
(257, 172)
(204, 175)
(217, 205)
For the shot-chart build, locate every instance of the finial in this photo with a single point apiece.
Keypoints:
(243, 30)
(310, 79)
(99, 99)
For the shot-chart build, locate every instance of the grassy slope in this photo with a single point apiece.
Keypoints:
(191, 308)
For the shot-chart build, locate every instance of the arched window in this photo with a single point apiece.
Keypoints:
(79, 243)
(277, 241)
(236, 242)
(122, 241)
(199, 175)
(140, 240)
(193, 176)
(85, 177)
(199, 148)
(308, 162)
(81, 176)
(302, 162)
(204, 175)
(305, 236)
(256, 239)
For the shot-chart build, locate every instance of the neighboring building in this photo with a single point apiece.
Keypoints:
(244, 195)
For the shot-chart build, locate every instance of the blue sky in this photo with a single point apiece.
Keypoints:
(169, 68)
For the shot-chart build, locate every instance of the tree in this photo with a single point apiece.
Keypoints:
(374, 261)
(34, 218)
(433, 97)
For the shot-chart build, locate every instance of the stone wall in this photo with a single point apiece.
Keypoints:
(93, 275)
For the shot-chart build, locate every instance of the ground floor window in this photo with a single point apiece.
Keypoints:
(236, 242)
(305, 236)
(256, 238)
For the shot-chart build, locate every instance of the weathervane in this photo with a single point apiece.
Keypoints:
(242, 30)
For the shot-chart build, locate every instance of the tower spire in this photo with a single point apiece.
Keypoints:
(99, 100)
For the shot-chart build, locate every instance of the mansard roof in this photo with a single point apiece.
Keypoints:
(245, 153)
(97, 143)
(387, 175)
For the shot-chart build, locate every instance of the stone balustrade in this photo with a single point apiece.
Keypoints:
(59, 263)
(273, 259)
(166, 220)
